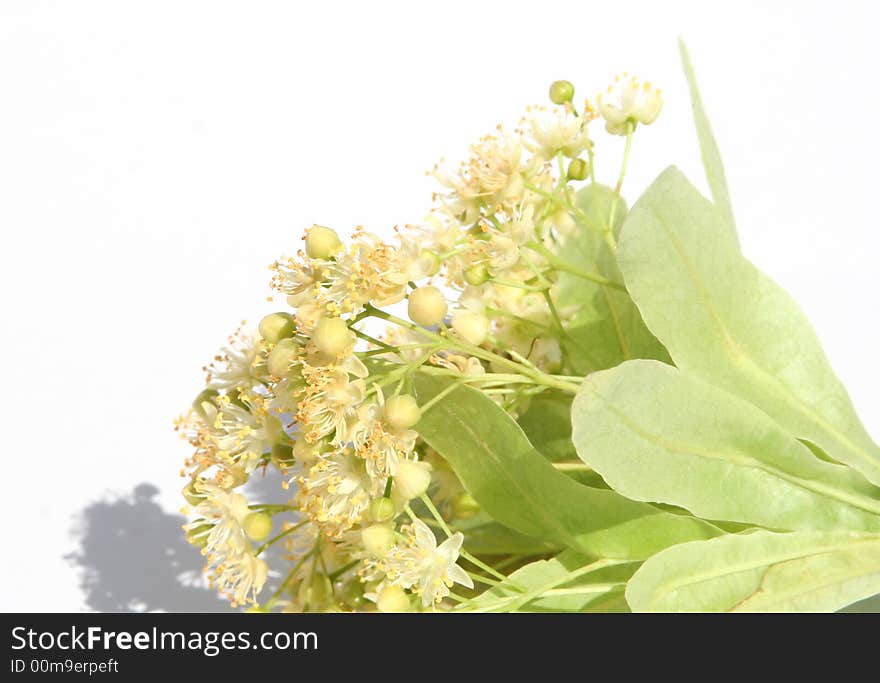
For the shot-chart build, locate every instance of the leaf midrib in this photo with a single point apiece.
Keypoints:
(745, 461)
(730, 570)
(738, 354)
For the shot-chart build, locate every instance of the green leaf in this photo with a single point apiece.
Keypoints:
(606, 327)
(547, 424)
(708, 147)
(660, 435)
(521, 489)
(760, 572)
(558, 591)
(724, 320)
(485, 536)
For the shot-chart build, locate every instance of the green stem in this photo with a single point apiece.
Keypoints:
(513, 603)
(629, 137)
(559, 264)
(477, 351)
(277, 538)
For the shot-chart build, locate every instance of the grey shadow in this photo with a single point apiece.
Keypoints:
(133, 557)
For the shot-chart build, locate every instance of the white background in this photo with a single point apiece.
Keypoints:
(155, 157)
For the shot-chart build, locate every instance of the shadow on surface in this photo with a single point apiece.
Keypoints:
(133, 556)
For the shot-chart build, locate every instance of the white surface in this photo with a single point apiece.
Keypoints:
(155, 157)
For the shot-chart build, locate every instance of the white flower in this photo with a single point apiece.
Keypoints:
(240, 578)
(225, 512)
(336, 492)
(424, 567)
(550, 131)
(492, 177)
(234, 368)
(631, 102)
(330, 398)
(238, 434)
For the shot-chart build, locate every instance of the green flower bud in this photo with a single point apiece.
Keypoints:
(382, 509)
(476, 275)
(412, 478)
(281, 357)
(258, 525)
(464, 506)
(578, 169)
(277, 326)
(192, 495)
(206, 396)
(321, 242)
(378, 539)
(402, 412)
(332, 337)
(561, 92)
(472, 327)
(393, 599)
(427, 306)
(431, 261)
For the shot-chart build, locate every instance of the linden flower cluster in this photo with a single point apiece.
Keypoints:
(320, 393)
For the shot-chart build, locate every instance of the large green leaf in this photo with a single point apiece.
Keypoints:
(723, 319)
(708, 147)
(760, 572)
(606, 327)
(660, 435)
(556, 590)
(521, 489)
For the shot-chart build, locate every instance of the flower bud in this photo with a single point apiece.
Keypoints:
(257, 525)
(282, 357)
(430, 262)
(393, 599)
(472, 327)
(205, 396)
(378, 539)
(578, 169)
(277, 326)
(427, 306)
(321, 242)
(192, 495)
(561, 92)
(476, 275)
(464, 506)
(332, 337)
(412, 478)
(382, 509)
(402, 412)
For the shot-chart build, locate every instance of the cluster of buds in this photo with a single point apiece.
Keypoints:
(326, 399)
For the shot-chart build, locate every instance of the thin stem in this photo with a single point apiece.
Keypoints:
(629, 137)
(513, 603)
(559, 264)
(439, 397)
(435, 513)
(277, 538)
(477, 351)
(489, 569)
